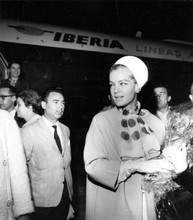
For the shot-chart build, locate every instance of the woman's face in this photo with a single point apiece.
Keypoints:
(21, 108)
(123, 87)
(15, 70)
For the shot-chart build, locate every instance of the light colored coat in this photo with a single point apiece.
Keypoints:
(15, 195)
(48, 169)
(31, 120)
(102, 163)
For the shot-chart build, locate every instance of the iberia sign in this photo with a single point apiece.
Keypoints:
(60, 37)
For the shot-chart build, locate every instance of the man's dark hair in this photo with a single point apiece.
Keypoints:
(160, 85)
(51, 89)
(12, 90)
(14, 61)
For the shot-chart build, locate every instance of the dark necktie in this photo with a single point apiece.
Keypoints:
(57, 139)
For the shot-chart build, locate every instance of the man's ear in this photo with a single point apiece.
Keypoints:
(191, 97)
(14, 98)
(169, 98)
(43, 104)
(137, 89)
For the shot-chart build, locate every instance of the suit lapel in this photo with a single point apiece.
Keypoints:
(47, 133)
(49, 137)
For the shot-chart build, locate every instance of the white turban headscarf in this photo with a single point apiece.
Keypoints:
(137, 68)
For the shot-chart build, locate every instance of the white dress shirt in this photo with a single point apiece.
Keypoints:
(49, 124)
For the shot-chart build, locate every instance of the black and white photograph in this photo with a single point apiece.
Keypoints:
(96, 109)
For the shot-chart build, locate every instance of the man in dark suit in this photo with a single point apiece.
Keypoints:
(7, 102)
(49, 161)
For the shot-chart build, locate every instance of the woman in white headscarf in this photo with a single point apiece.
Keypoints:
(122, 145)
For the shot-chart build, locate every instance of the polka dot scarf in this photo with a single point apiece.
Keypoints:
(137, 138)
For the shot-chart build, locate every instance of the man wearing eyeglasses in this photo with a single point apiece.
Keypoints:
(7, 102)
(163, 97)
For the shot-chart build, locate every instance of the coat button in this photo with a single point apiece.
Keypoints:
(5, 162)
(9, 203)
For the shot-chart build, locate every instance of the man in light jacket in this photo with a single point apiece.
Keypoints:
(49, 164)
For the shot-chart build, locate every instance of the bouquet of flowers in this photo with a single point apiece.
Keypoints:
(179, 134)
(180, 129)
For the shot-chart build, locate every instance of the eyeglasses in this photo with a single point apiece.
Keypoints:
(5, 96)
